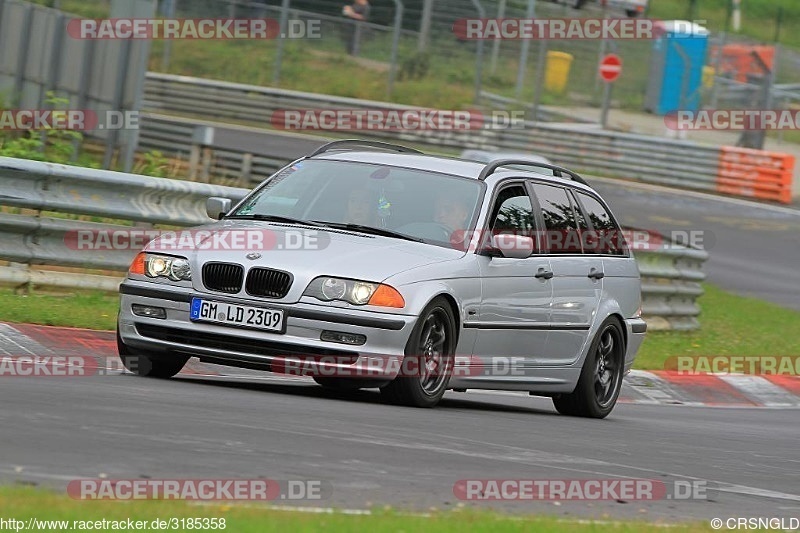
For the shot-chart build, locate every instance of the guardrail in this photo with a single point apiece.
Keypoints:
(42, 194)
(645, 158)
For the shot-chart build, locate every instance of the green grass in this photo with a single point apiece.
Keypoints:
(79, 309)
(25, 503)
(759, 17)
(730, 324)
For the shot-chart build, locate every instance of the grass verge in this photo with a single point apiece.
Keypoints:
(26, 503)
(731, 324)
(77, 309)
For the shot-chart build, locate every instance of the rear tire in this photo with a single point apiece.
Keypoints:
(148, 364)
(601, 376)
(429, 358)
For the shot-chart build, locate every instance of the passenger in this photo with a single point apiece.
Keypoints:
(361, 208)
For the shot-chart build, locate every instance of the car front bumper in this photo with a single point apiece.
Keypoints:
(298, 351)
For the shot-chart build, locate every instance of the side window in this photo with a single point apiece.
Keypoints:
(606, 237)
(513, 213)
(561, 231)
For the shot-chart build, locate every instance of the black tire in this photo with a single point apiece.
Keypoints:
(632, 13)
(429, 358)
(150, 365)
(601, 376)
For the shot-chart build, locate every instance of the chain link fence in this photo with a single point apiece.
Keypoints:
(417, 58)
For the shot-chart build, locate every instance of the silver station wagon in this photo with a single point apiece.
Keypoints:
(367, 264)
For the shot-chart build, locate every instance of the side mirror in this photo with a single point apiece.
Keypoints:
(217, 208)
(513, 246)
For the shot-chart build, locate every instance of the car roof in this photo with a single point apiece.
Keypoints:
(441, 164)
(486, 156)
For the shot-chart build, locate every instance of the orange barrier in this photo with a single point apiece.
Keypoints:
(755, 174)
(737, 61)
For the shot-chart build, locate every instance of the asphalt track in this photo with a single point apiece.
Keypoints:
(372, 454)
(754, 248)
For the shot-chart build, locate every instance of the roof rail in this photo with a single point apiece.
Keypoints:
(347, 144)
(557, 171)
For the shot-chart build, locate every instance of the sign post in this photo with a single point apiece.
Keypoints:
(610, 69)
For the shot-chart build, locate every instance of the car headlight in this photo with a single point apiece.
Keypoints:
(355, 292)
(161, 266)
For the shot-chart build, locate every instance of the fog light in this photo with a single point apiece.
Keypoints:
(149, 311)
(343, 338)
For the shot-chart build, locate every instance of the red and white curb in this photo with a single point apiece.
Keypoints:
(665, 387)
(661, 387)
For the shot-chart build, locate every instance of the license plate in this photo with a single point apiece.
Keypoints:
(236, 315)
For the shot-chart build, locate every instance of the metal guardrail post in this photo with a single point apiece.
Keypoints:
(398, 27)
(522, 68)
(201, 154)
(119, 92)
(169, 8)
(479, 55)
(22, 54)
(540, 66)
(284, 22)
(501, 12)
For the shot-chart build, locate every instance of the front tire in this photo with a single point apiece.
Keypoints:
(601, 376)
(429, 358)
(148, 364)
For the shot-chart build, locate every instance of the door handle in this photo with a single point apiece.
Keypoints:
(596, 274)
(544, 274)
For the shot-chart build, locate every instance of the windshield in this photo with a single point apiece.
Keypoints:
(426, 206)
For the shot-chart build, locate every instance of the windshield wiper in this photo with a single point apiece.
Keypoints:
(369, 229)
(277, 218)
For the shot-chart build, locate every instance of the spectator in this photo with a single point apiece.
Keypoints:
(358, 12)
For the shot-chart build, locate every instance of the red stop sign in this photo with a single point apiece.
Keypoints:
(610, 67)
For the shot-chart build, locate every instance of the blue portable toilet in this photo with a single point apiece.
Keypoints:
(676, 67)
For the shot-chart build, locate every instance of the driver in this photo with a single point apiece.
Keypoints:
(451, 213)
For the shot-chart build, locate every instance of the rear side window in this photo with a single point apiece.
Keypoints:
(561, 230)
(605, 237)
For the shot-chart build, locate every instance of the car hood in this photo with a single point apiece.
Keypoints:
(304, 252)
